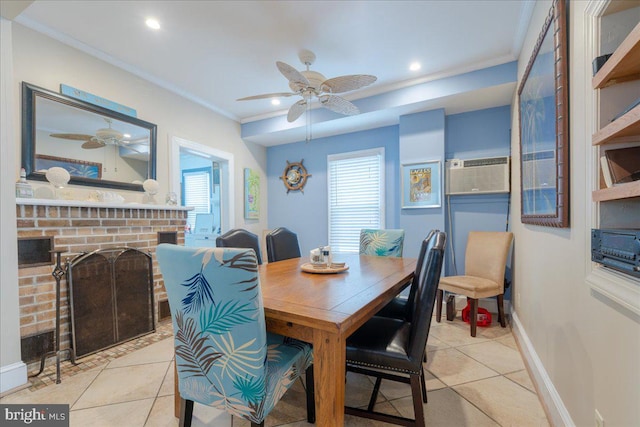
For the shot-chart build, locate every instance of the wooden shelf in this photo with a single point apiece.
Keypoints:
(622, 191)
(620, 130)
(623, 65)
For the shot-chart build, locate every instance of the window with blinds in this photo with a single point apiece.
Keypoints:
(196, 192)
(356, 196)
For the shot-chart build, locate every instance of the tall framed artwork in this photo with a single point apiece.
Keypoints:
(421, 185)
(543, 100)
(251, 194)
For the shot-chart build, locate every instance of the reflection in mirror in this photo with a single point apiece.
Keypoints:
(99, 147)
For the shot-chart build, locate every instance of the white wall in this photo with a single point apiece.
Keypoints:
(45, 62)
(12, 371)
(587, 345)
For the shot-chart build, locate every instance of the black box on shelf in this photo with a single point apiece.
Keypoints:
(599, 62)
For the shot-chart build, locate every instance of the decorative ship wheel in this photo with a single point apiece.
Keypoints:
(295, 176)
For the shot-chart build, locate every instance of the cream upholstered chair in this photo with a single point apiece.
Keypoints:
(485, 263)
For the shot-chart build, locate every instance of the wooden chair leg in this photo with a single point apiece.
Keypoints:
(311, 396)
(473, 316)
(501, 318)
(424, 387)
(416, 392)
(439, 296)
(186, 412)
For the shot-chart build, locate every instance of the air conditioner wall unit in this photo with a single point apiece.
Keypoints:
(477, 176)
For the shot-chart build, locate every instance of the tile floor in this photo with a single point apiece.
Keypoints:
(478, 381)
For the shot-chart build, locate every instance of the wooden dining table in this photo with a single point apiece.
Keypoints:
(324, 309)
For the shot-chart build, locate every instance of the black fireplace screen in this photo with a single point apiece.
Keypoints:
(111, 298)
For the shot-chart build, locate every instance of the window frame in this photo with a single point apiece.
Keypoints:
(378, 151)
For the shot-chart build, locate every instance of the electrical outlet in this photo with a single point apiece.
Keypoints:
(599, 419)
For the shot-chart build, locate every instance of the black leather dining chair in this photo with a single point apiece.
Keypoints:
(240, 238)
(393, 349)
(399, 307)
(282, 244)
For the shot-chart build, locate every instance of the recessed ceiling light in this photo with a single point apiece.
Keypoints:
(153, 23)
(415, 66)
(275, 102)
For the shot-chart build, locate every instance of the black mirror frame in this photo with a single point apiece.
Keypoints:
(29, 93)
(556, 26)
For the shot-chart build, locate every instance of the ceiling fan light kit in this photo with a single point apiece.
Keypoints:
(311, 84)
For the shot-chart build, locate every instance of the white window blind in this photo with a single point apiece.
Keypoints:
(197, 193)
(356, 196)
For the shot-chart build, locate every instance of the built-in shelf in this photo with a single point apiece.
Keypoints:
(622, 66)
(620, 191)
(621, 129)
(624, 63)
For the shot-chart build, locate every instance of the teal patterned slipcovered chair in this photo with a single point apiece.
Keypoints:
(381, 242)
(224, 356)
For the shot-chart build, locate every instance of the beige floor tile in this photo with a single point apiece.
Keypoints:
(161, 351)
(446, 408)
(494, 331)
(434, 343)
(358, 390)
(455, 334)
(392, 390)
(130, 414)
(453, 367)
(162, 415)
(505, 401)
(496, 356)
(67, 392)
(509, 341)
(522, 378)
(124, 384)
(168, 384)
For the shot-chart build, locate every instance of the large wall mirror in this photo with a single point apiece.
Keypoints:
(544, 126)
(99, 147)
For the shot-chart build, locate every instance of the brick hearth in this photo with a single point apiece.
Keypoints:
(78, 227)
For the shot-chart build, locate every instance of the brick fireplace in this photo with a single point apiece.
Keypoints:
(77, 227)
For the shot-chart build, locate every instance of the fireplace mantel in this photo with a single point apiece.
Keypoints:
(87, 204)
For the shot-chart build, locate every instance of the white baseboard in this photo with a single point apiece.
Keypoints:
(556, 411)
(12, 376)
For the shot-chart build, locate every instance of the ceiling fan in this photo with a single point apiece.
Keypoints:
(102, 138)
(311, 84)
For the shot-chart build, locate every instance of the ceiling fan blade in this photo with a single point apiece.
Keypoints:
(339, 105)
(267, 95)
(93, 143)
(296, 110)
(347, 83)
(294, 76)
(73, 136)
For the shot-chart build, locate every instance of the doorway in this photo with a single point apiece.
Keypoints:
(201, 178)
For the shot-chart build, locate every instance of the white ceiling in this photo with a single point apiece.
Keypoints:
(214, 52)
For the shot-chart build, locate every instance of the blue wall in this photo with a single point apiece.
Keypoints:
(422, 140)
(307, 213)
(422, 136)
(477, 134)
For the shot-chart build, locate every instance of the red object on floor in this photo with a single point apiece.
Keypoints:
(484, 317)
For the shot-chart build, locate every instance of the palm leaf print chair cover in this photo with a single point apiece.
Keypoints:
(224, 356)
(381, 242)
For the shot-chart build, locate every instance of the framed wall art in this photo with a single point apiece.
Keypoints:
(544, 126)
(74, 167)
(251, 194)
(421, 185)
